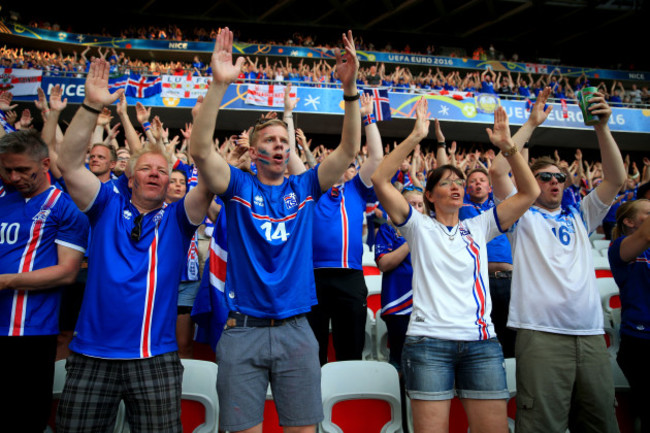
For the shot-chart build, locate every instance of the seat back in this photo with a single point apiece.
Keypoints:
(199, 401)
(360, 397)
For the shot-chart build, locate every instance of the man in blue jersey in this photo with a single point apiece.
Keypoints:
(338, 247)
(124, 347)
(42, 240)
(270, 281)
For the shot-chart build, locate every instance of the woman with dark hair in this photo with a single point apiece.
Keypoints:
(629, 257)
(450, 339)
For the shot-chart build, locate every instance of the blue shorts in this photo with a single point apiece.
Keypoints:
(187, 291)
(250, 358)
(433, 368)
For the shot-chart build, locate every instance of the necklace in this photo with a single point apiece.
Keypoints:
(446, 231)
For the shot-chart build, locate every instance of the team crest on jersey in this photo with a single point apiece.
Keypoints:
(127, 214)
(463, 231)
(158, 217)
(290, 201)
(259, 201)
(42, 215)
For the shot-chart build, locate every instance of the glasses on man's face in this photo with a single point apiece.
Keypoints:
(136, 232)
(546, 176)
(448, 182)
(412, 188)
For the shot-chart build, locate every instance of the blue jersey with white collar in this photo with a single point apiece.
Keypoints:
(270, 265)
(129, 307)
(338, 225)
(498, 249)
(30, 232)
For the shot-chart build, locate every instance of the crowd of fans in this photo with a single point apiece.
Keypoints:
(266, 171)
(321, 74)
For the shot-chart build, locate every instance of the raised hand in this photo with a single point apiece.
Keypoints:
(598, 106)
(422, 122)
(347, 65)
(41, 102)
(187, 132)
(26, 118)
(439, 135)
(104, 118)
(121, 106)
(223, 70)
(5, 101)
(142, 113)
(289, 104)
(538, 114)
(97, 93)
(366, 104)
(500, 135)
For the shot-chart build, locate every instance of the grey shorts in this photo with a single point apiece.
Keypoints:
(251, 357)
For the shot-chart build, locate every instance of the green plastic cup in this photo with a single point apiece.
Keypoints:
(584, 98)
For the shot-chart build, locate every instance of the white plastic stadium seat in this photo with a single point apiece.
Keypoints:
(360, 396)
(200, 385)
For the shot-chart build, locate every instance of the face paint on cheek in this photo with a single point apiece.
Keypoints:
(264, 157)
(33, 176)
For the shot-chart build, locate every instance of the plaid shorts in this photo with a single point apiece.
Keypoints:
(150, 388)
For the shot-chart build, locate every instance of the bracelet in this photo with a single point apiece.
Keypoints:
(91, 109)
(369, 119)
(166, 142)
(146, 126)
(47, 110)
(351, 98)
(634, 176)
(442, 144)
(509, 152)
(288, 117)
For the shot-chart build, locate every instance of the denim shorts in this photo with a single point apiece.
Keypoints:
(433, 368)
(187, 291)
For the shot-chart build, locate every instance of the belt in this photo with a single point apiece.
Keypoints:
(238, 319)
(500, 274)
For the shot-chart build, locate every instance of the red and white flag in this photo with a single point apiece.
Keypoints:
(269, 95)
(20, 82)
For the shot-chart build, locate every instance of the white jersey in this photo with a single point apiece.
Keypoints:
(553, 282)
(451, 295)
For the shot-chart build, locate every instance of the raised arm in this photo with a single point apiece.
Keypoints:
(132, 139)
(213, 167)
(441, 147)
(527, 188)
(337, 162)
(373, 140)
(295, 165)
(81, 183)
(636, 243)
(501, 183)
(50, 126)
(613, 168)
(391, 199)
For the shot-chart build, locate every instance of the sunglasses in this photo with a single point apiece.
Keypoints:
(136, 232)
(546, 176)
(412, 188)
(448, 182)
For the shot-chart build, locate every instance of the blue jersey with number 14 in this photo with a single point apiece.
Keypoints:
(270, 262)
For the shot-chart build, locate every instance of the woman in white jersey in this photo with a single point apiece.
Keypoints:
(451, 344)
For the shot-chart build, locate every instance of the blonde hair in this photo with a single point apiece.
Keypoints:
(263, 124)
(146, 149)
(629, 209)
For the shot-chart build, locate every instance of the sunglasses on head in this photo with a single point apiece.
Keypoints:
(412, 188)
(546, 176)
(136, 232)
